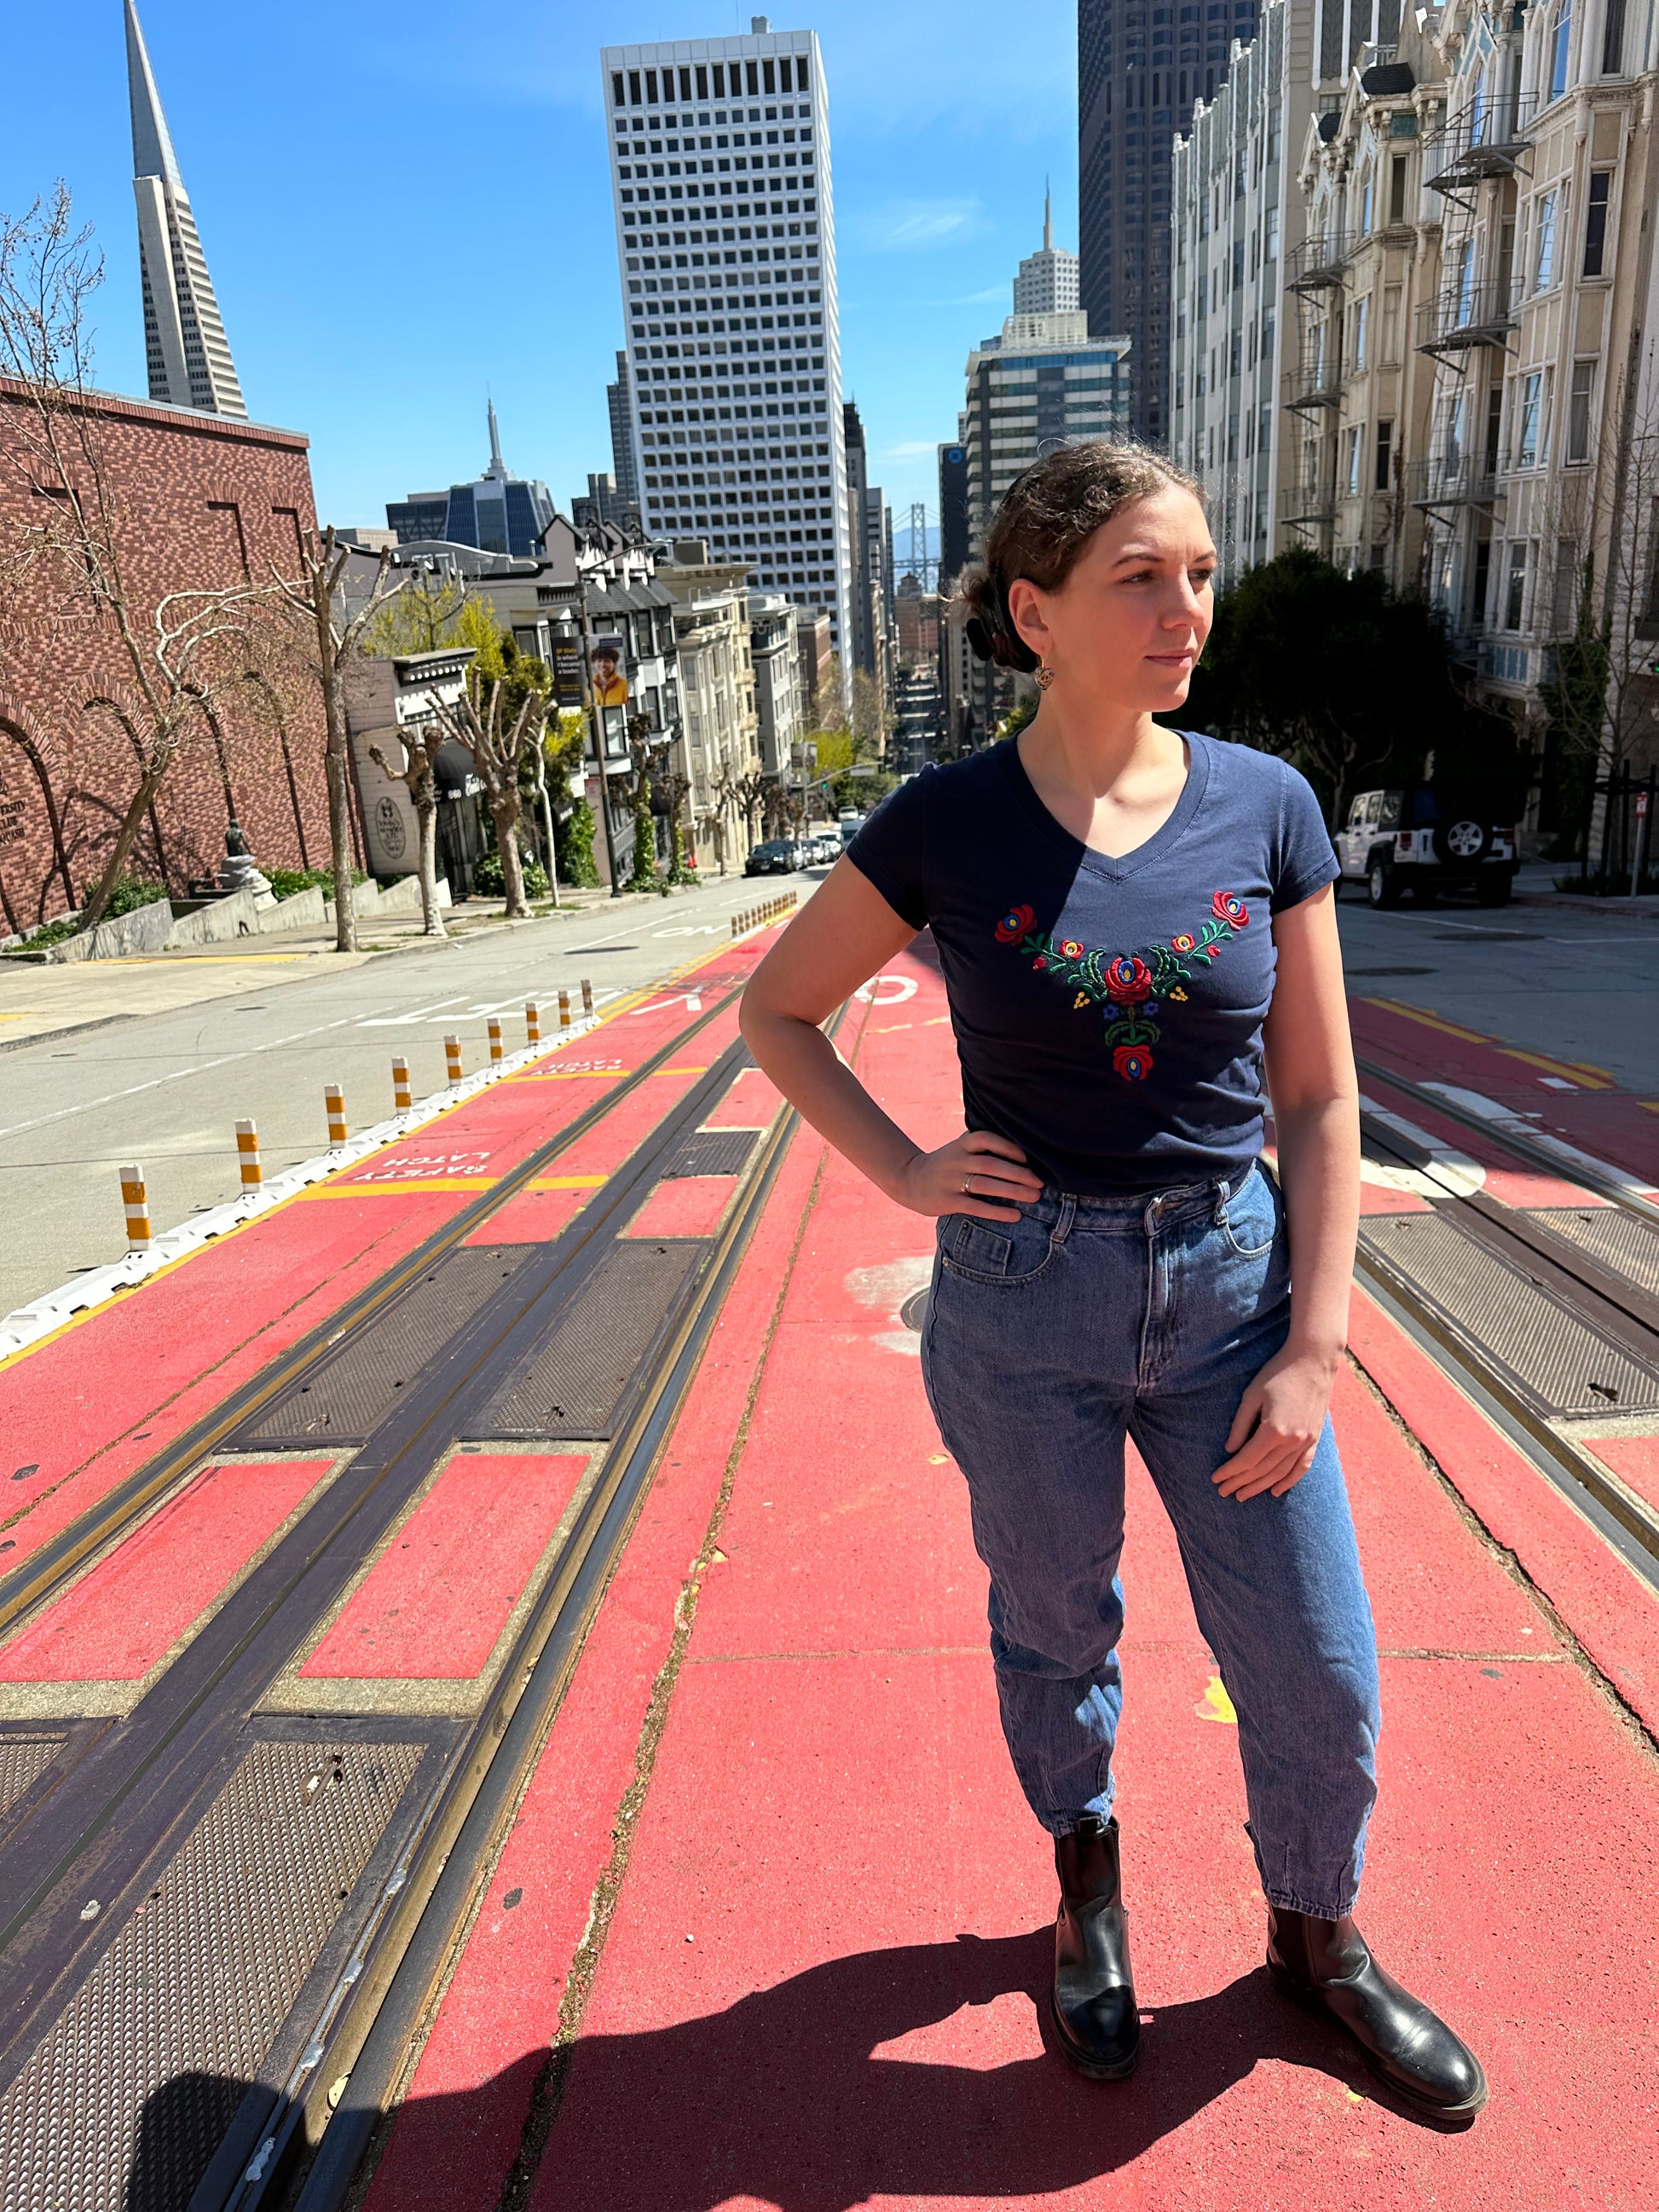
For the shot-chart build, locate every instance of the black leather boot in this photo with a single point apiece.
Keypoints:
(1325, 1966)
(1094, 2001)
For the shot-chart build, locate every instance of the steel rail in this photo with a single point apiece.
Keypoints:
(1593, 1293)
(1581, 1171)
(46, 1573)
(370, 2042)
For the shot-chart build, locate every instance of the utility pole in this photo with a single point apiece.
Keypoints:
(595, 720)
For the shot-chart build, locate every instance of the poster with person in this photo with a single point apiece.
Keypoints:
(605, 665)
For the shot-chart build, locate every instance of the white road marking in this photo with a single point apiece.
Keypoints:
(199, 1067)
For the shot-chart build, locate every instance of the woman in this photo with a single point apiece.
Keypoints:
(1124, 917)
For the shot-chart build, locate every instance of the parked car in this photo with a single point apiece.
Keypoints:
(849, 826)
(777, 856)
(1415, 840)
(825, 848)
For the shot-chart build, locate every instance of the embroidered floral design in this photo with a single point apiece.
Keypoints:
(1129, 988)
(1128, 979)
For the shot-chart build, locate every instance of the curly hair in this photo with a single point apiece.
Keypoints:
(1047, 517)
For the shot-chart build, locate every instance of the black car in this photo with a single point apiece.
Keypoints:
(1419, 839)
(779, 856)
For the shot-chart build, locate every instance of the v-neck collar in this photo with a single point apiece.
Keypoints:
(1117, 870)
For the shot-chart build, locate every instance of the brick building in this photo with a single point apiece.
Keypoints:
(200, 502)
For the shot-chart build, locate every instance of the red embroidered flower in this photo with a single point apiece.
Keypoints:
(1227, 906)
(1128, 979)
(1039, 963)
(1132, 1062)
(1184, 943)
(1071, 948)
(1014, 924)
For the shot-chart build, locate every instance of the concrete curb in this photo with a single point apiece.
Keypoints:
(28, 1323)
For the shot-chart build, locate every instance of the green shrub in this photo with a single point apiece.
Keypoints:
(131, 892)
(287, 883)
(490, 882)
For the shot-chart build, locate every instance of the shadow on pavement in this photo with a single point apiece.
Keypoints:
(788, 2099)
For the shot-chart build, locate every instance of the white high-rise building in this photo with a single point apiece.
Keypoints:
(1048, 281)
(187, 354)
(726, 246)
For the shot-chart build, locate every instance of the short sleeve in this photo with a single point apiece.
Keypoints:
(1304, 860)
(890, 850)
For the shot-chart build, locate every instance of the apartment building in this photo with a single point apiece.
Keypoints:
(726, 254)
(1361, 288)
(1234, 218)
(715, 666)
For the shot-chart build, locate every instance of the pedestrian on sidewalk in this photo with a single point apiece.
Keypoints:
(1127, 917)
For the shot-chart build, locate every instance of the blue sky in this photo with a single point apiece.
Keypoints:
(401, 207)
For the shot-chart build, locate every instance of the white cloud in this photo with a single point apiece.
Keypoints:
(908, 448)
(903, 225)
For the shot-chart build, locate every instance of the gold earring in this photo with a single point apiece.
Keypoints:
(1042, 676)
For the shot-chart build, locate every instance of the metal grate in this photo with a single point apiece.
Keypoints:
(341, 1401)
(123, 2106)
(23, 1761)
(1624, 1245)
(573, 1386)
(710, 1153)
(1564, 1362)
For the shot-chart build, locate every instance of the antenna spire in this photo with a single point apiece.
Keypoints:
(1047, 219)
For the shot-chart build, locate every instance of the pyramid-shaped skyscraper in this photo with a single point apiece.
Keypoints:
(189, 358)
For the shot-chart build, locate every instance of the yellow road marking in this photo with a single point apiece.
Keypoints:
(567, 1183)
(1591, 1079)
(392, 1186)
(1429, 1021)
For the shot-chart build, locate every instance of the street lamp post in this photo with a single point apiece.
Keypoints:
(595, 722)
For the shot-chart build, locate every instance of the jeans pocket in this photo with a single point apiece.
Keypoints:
(998, 1253)
(1250, 1222)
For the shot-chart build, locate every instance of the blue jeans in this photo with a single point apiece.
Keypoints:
(1046, 1340)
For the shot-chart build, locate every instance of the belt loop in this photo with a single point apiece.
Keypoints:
(1222, 1194)
(1067, 1215)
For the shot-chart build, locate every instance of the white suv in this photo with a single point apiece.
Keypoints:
(1397, 840)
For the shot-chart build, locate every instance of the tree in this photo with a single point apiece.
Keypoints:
(418, 772)
(501, 724)
(675, 788)
(70, 531)
(1349, 679)
(563, 745)
(328, 636)
(643, 877)
(751, 793)
(417, 618)
(1605, 604)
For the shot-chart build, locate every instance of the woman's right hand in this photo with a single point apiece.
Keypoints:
(977, 1173)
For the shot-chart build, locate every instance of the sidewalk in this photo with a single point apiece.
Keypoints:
(772, 1927)
(37, 1002)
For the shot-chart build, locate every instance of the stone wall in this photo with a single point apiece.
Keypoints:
(199, 502)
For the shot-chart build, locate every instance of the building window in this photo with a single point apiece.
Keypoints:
(1544, 247)
(1526, 443)
(1564, 587)
(1397, 189)
(1391, 322)
(1595, 220)
(1578, 410)
(1384, 453)
(1613, 39)
(1560, 39)
(1361, 325)
(1350, 460)
(1514, 595)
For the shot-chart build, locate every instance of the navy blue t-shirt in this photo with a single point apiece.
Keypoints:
(1108, 1012)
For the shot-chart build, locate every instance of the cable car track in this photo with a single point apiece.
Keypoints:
(129, 1800)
